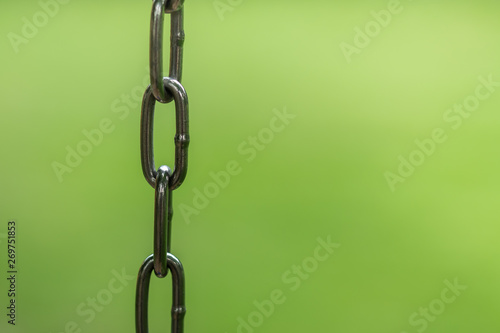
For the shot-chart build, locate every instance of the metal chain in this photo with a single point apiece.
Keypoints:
(163, 180)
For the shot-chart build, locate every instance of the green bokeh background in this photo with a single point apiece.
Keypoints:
(323, 175)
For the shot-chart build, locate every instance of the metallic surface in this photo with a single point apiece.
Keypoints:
(163, 218)
(156, 46)
(178, 294)
(173, 5)
(181, 138)
(163, 180)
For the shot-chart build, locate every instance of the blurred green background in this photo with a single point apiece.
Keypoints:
(352, 118)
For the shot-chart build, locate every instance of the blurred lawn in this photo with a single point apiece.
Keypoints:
(322, 175)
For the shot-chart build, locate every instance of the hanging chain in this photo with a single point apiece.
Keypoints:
(164, 180)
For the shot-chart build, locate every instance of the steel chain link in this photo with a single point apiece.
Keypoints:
(164, 180)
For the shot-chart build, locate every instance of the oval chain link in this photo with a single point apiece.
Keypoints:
(160, 7)
(163, 219)
(178, 295)
(181, 138)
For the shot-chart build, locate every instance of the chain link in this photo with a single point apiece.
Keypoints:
(178, 295)
(156, 45)
(163, 219)
(164, 180)
(181, 138)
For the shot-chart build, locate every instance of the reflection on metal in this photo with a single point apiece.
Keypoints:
(178, 296)
(164, 180)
